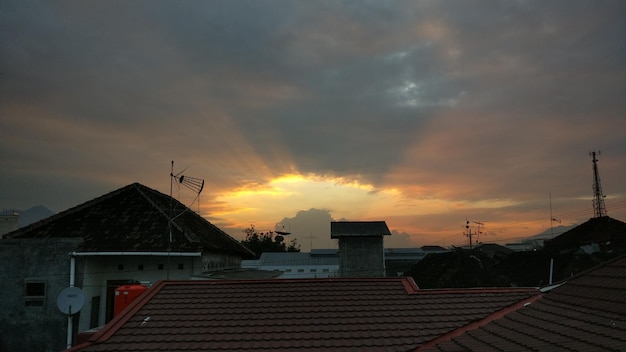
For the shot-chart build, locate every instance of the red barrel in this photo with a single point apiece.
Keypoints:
(124, 295)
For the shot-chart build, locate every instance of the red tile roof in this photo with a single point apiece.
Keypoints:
(373, 314)
(134, 219)
(586, 313)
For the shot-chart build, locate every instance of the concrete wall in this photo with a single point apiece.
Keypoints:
(361, 256)
(33, 328)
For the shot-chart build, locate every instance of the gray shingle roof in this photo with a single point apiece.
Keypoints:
(134, 219)
(358, 228)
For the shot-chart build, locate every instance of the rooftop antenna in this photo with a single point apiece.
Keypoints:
(599, 210)
(478, 232)
(310, 237)
(552, 218)
(194, 184)
(468, 232)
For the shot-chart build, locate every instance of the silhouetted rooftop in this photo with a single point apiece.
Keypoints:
(134, 219)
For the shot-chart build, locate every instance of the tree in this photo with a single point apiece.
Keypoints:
(259, 242)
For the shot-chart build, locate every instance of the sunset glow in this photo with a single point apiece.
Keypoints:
(423, 114)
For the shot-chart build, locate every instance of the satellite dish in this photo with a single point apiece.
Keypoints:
(71, 300)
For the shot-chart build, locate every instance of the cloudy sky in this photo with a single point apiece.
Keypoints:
(424, 114)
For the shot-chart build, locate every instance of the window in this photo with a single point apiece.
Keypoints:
(300, 270)
(160, 266)
(34, 293)
(181, 266)
(288, 270)
(313, 270)
(325, 270)
(120, 266)
(140, 267)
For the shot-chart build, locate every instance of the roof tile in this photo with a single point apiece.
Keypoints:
(586, 313)
(334, 314)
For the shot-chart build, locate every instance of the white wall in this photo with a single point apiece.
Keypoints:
(100, 269)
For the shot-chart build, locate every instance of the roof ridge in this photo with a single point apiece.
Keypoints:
(142, 190)
(286, 281)
(222, 232)
(480, 322)
(187, 231)
(478, 290)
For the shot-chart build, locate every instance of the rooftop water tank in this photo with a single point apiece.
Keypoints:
(125, 295)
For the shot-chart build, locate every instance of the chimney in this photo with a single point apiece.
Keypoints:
(361, 249)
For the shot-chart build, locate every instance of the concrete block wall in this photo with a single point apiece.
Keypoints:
(361, 256)
(39, 328)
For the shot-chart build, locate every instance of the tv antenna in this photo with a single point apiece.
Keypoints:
(468, 231)
(478, 232)
(192, 183)
(599, 210)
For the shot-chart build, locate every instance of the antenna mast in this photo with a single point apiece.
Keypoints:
(478, 232)
(468, 233)
(194, 184)
(599, 210)
(552, 218)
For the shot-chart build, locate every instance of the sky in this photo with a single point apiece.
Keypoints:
(423, 114)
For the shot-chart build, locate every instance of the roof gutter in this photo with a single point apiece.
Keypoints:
(140, 254)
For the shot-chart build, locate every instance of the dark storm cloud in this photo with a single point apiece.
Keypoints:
(467, 99)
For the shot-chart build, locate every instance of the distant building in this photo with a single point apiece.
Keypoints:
(8, 221)
(321, 263)
(361, 246)
(523, 246)
(400, 260)
(599, 234)
(297, 265)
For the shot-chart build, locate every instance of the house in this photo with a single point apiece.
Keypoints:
(325, 262)
(585, 313)
(132, 235)
(398, 261)
(361, 248)
(598, 234)
(326, 314)
(494, 251)
(297, 265)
